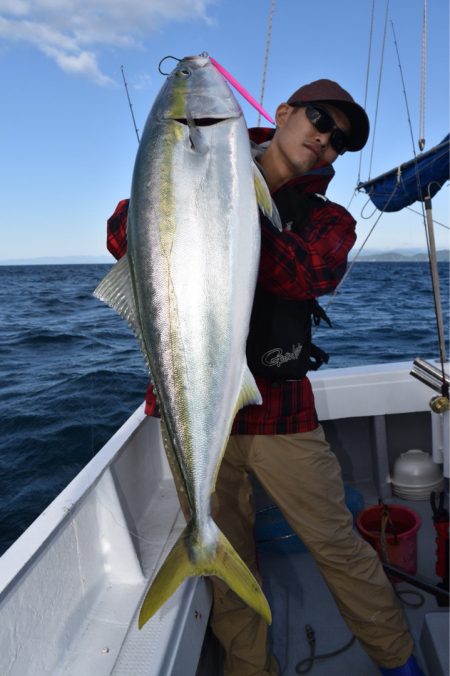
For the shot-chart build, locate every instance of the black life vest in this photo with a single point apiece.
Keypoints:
(279, 345)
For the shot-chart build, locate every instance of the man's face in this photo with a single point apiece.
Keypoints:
(300, 146)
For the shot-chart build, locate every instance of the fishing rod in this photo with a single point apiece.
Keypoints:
(130, 104)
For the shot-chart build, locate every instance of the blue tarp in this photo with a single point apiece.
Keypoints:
(415, 180)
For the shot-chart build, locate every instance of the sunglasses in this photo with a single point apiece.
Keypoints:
(324, 123)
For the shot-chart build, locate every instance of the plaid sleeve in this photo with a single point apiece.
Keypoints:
(309, 261)
(116, 234)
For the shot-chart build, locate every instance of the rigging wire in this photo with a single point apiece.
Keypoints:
(406, 103)
(366, 87)
(379, 84)
(428, 224)
(266, 56)
(419, 213)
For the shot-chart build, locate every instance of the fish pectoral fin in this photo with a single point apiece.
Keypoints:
(264, 199)
(116, 290)
(249, 393)
(225, 563)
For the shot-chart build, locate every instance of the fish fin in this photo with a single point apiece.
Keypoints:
(233, 571)
(249, 393)
(264, 199)
(180, 564)
(176, 568)
(116, 290)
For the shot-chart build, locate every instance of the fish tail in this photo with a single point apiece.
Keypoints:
(225, 563)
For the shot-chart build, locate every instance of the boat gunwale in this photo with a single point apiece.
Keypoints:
(24, 552)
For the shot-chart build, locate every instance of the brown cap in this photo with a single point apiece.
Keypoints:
(327, 91)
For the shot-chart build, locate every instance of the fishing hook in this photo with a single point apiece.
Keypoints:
(162, 60)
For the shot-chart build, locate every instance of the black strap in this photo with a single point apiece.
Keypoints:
(317, 357)
(319, 314)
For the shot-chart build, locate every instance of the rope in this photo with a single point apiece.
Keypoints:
(423, 79)
(266, 57)
(307, 664)
(379, 84)
(419, 213)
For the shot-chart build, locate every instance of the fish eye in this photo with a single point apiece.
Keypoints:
(183, 72)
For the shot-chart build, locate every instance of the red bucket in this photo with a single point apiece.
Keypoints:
(400, 534)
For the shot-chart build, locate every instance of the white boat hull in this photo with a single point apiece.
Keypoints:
(71, 585)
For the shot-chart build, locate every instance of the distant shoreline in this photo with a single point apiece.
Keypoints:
(443, 256)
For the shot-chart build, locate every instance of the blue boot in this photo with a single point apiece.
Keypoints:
(410, 668)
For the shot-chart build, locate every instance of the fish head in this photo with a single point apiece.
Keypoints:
(195, 92)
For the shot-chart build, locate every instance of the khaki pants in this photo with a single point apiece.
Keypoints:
(303, 477)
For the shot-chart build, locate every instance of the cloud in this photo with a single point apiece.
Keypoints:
(72, 32)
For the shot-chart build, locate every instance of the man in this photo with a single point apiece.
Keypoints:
(281, 442)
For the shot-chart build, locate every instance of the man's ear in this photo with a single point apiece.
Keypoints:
(282, 114)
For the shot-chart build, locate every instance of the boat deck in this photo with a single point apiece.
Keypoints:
(71, 586)
(299, 596)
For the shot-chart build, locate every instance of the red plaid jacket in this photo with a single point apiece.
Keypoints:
(299, 263)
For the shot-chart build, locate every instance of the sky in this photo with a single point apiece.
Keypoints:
(67, 138)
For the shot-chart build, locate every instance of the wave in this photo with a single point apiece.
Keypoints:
(71, 372)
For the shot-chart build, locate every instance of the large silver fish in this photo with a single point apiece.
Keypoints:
(186, 287)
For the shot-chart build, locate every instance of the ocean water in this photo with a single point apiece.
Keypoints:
(71, 372)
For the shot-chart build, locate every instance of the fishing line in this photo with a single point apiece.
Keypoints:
(157, 543)
(92, 373)
(421, 141)
(266, 58)
(351, 199)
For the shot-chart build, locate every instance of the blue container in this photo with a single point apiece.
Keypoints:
(274, 534)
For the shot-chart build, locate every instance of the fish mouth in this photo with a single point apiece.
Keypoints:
(200, 121)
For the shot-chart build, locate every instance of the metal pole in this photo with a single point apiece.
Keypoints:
(430, 369)
(435, 280)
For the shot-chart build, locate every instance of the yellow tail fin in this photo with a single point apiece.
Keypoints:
(225, 563)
